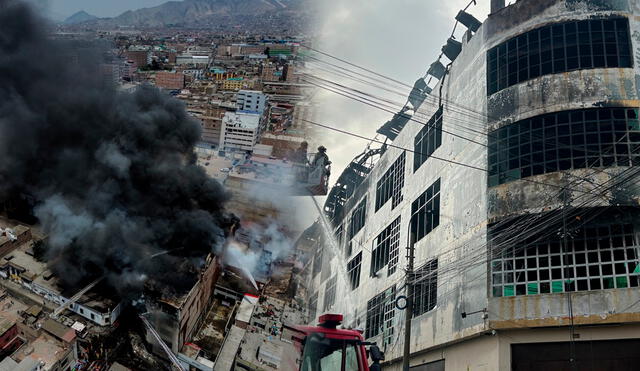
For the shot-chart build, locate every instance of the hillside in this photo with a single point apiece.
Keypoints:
(80, 17)
(198, 13)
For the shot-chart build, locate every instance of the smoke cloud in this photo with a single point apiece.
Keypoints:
(110, 176)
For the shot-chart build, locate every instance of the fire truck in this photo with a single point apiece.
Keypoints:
(328, 348)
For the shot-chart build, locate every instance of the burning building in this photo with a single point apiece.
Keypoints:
(20, 265)
(176, 317)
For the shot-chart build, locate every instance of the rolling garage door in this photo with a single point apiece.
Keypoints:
(609, 355)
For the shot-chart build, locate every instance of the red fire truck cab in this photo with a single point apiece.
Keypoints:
(327, 348)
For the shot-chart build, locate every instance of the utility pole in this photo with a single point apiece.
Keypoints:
(572, 344)
(409, 308)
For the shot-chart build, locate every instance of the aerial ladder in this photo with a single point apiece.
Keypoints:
(56, 313)
(172, 357)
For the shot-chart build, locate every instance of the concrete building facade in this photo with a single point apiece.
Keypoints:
(139, 55)
(240, 131)
(251, 100)
(20, 266)
(177, 318)
(518, 187)
(170, 80)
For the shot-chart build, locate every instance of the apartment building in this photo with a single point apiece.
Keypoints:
(251, 100)
(240, 131)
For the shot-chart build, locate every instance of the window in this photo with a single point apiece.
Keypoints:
(595, 43)
(358, 218)
(425, 290)
(330, 293)
(322, 353)
(317, 262)
(325, 272)
(428, 139)
(340, 236)
(597, 257)
(380, 315)
(386, 244)
(391, 183)
(588, 138)
(313, 306)
(425, 212)
(353, 269)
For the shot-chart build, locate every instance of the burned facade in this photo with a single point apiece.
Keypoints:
(177, 317)
(519, 187)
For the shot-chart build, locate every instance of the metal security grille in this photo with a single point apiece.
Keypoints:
(380, 315)
(330, 293)
(425, 211)
(358, 218)
(387, 243)
(353, 269)
(425, 288)
(589, 138)
(389, 316)
(391, 183)
(596, 258)
(428, 139)
(587, 44)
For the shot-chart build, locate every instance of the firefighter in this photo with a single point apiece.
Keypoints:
(321, 158)
(300, 154)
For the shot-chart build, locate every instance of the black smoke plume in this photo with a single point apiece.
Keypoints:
(110, 176)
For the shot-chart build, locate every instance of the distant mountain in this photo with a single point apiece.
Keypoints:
(196, 13)
(80, 17)
(212, 13)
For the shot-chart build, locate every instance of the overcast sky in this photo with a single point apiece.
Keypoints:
(396, 38)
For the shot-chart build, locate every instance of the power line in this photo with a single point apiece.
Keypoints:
(354, 65)
(391, 145)
(450, 107)
(373, 140)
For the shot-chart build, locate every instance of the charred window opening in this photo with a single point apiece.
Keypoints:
(428, 139)
(358, 218)
(596, 257)
(353, 269)
(340, 235)
(386, 247)
(380, 315)
(391, 183)
(589, 138)
(587, 44)
(317, 262)
(425, 288)
(425, 212)
(330, 293)
(325, 271)
(313, 306)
